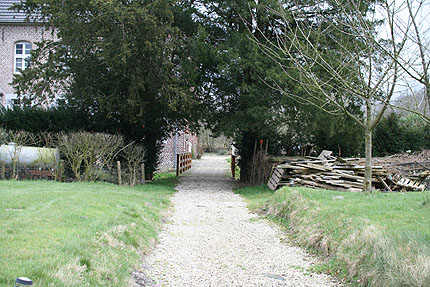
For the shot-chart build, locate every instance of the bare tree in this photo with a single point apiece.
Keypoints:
(106, 147)
(70, 146)
(339, 57)
(3, 141)
(134, 155)
(3, 136)
(47, 157)
(92, 151)
(415, 61)
(18, 139)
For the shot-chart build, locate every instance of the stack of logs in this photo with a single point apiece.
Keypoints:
(342, 174)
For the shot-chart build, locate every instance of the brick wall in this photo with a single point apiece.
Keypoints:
(183, 143)
(9, 35)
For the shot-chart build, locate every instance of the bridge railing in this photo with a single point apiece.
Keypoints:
(183, 162)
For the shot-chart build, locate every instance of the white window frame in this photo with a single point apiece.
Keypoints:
(23, 57)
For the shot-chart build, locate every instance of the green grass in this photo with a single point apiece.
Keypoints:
(77, 234)
(377, 239)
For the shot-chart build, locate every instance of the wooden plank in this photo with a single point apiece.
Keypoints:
(273, 182)
(276, 177)
(384, 183)
(324, 154)
(316, 167)
(320, 185)
(288, 166)
(271, 186)
(408, 183)
(346, 160)
(344, 175)
(314, 161)
(330, 177)
(279, 172)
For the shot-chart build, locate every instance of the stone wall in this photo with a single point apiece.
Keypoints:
(9, 35)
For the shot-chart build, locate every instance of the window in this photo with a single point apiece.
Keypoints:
(22, 56)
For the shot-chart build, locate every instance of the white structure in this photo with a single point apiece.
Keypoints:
(29, 156)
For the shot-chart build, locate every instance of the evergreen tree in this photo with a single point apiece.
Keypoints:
(120, 59)
(239, 77)
(243, 106)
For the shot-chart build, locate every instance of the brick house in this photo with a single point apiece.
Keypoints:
(180, 142)
(17, 38)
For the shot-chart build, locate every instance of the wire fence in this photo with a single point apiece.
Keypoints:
(121, 176)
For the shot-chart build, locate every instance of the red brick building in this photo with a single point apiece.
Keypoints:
(180, 142)
(17, 38)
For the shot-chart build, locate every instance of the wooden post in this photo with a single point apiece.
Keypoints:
(177, 164)
(60, 171)
(118, 164)
(143, 172)
(267, 145)
(3, 169)
(233, 166)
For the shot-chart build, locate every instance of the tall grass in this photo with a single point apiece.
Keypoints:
(77, 234)
(373, 239)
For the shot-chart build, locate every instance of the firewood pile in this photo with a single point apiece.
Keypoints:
(342, 174)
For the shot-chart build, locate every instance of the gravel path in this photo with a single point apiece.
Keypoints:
(211, 239)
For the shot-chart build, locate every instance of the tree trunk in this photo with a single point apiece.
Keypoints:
(246, 153)
(367, 187)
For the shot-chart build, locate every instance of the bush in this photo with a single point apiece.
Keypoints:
(92, 151)
(37, 120)
(134, 155)
(397, 134)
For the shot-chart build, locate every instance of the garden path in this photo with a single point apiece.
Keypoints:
(211, 239)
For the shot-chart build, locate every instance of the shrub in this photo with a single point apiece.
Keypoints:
(134, 155)
(397, 134)
(92, 151)
(20, 139)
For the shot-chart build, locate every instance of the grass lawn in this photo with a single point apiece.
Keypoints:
(77, 234)
(377, 239)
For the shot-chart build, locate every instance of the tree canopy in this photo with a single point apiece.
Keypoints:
(291, 72)
(125, 60)
(239, 74)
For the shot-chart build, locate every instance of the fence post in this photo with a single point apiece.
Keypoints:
(3, 169)
(118, 165)
(143, 173)
(233, 166)
(181, 163)
(60, 171)
(177, 164)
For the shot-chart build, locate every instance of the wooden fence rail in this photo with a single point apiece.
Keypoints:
(183, 162)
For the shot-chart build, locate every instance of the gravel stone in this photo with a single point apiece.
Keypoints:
(212, 239)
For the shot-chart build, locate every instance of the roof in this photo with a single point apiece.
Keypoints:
(11, 16)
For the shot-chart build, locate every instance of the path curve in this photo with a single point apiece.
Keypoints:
(211, 239)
